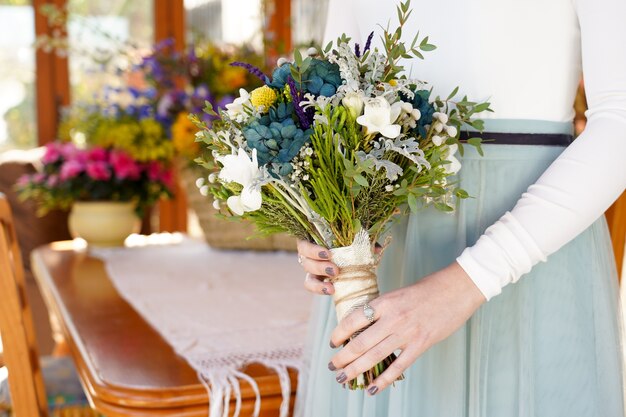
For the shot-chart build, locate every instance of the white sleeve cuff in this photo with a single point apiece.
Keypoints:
(502, 255)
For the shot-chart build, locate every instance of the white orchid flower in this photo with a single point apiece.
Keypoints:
(244, 171)
(380, 117)
(455, 165)
(236, 108)
(354, 103)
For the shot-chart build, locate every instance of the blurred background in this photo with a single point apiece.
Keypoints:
(66, 65)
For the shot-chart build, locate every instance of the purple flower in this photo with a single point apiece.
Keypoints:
(368, 44)
(221, 104)
(357, 50)
(304, 116)
(252, 70)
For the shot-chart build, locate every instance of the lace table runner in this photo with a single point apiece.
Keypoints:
(219, 309)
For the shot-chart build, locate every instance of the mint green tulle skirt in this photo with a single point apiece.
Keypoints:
(548, 346)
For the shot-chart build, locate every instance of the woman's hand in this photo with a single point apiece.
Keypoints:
(411, 319)
(316, 262)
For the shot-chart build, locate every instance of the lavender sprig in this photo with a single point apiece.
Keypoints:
(305, 120)
(368, 44)
(252, 70)
(357, 50)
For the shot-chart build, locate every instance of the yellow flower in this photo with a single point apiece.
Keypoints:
(393, 83)
(263, 96)
(287, 92)
(184, 136)
(234, 77)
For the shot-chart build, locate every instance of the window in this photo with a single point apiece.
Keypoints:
(105, 34)
(309, 20)
(18, 127)
(224, 21)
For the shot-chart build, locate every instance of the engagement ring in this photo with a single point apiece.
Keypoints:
(369, 312)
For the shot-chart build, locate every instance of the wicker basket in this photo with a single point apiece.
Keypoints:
(222, 233)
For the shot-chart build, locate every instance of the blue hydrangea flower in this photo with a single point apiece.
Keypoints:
(280, 75)
(422, 103)
(322, 78)
(276, 137)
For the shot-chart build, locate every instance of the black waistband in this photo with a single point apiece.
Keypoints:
(546, 139)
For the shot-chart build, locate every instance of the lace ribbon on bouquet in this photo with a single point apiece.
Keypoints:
(220, 310)
(356, 283)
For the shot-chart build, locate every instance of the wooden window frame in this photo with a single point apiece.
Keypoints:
(52, 82)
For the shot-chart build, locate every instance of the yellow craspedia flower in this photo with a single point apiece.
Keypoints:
(393, 83)
(184, 136)
(263, 96)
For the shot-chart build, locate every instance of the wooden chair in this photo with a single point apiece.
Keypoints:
(25, 376)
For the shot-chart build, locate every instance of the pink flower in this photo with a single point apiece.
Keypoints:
(53, 153)
(157, 172)
(98, 171)
(69, 150)
(71, 169)
(24, 180)
(53, 181)
(38, 178)
(154, 170)
(124, 166)
(97, 155)
(167, 177)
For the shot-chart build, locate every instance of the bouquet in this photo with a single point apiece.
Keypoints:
(71, 174)
(336, 145)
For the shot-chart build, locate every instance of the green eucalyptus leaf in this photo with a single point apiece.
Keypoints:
(461, 193)
(412, 200)
(360, 179)
(297, 55)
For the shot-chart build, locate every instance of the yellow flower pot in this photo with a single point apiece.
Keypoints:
(103, 223)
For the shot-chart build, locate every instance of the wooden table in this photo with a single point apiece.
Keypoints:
(126, 368)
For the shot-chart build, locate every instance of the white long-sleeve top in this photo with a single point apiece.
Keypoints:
(526, 58)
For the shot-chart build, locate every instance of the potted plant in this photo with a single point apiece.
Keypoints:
(106, 189)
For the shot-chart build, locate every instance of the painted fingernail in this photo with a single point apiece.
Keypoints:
(332, 346)
(323, 255)
(325, 290)
(331, 366)
(342, 378)
(330, 271)
(372, 390)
